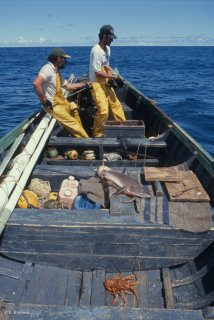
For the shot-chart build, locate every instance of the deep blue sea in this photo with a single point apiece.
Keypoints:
(180, 79)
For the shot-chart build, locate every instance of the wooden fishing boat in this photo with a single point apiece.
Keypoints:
(155, 252)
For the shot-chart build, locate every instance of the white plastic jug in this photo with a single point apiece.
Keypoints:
(68, 191)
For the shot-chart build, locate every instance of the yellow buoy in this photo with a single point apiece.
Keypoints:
(28, 198)
(53, 196)
(71, 154)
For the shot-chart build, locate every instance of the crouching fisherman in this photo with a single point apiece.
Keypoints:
(48, 84)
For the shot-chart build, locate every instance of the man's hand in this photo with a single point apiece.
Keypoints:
(87, 85)
(47, 104)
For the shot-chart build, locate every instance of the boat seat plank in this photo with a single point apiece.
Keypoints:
(83, 171)
(96, 163)
(105, 142)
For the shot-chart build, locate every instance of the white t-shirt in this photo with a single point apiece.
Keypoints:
(49, 72)
(98, 58)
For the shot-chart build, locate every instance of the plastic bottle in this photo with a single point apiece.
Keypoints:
(68, 191)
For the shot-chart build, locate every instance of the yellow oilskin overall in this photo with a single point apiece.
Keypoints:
(66, 113)
(104, 97)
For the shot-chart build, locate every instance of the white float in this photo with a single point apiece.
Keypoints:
(21, 161)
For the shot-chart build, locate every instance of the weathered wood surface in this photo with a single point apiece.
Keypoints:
(188, 189)
(92, 240)
(128, 128)
(29, 312)
(79, 171)
(191, 216)
(186, 186)
(163, 174)
(95, 163)
(168, 289)
(105, 142)
(45, 292)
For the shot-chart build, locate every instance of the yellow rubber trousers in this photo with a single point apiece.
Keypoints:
(105, 97)
(66, 113)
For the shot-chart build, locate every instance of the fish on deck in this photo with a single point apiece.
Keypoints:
(123, 183)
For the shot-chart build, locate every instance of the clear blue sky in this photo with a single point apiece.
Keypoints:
(77, 22)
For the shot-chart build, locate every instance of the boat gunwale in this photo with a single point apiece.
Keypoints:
(190, 143)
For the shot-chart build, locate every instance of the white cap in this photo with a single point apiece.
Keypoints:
(67, 193)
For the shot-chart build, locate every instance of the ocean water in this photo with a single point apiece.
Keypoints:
(180, 79)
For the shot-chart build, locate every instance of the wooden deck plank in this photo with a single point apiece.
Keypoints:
(168, 289)
(98, 290)
(154, 289)
(22, 284)
(47, 286)
(13, 268)
(73, 288)
(86, 288)
(8, 287)
(142, 288)
(9, 273)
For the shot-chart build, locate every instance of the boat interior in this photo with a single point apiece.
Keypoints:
(54, 261)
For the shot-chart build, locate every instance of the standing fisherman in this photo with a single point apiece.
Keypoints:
(99, 73)
(48, 84)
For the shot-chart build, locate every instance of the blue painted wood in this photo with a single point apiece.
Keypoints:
(97, 313)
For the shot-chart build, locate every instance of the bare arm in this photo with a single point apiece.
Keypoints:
(74, 86)
(38, 86)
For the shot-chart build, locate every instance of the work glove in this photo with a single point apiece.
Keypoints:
(47, 104)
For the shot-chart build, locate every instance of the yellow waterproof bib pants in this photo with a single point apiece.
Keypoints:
(66, 113)
(105, 97)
